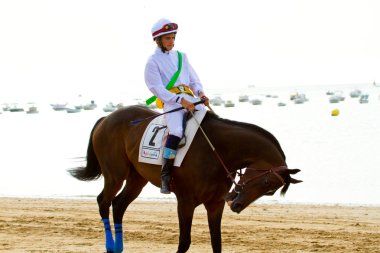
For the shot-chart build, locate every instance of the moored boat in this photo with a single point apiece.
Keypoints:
(59, 107)
(110, 107)
(229, 103)
(256, 101)
(364, 99)
(91, 106)
(355, 93)
(32, 110)
(16, 108)
(243, 98)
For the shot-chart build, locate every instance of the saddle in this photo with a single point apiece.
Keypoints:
(154, 138)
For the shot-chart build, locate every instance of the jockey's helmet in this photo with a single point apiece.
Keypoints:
(162, 27)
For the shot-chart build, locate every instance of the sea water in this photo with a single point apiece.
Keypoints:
(339, 156)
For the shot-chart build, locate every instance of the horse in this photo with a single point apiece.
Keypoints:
(206, 175)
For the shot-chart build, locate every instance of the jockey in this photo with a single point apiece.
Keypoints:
(159, 73)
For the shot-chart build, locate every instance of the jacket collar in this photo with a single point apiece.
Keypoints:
(159, 51)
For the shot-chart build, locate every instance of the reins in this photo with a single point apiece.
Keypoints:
(216, 153)
(229, 173)
(137, 121)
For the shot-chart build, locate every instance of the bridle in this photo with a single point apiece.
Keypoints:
(275, 171)
(264, 172)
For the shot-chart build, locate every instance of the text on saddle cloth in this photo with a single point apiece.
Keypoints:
(154, 138)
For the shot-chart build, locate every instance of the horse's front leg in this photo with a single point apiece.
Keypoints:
(214, 215)
(185, 211)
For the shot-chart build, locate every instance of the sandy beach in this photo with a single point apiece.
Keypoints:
(65, 225)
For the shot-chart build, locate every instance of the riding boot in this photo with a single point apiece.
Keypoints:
(165, 175)
(170, 151)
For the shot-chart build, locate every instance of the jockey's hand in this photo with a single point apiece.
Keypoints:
(204, 98)
(187, 105)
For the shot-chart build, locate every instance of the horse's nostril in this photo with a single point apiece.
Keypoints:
(236, 207)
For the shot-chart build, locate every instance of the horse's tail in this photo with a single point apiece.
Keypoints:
(92, 170)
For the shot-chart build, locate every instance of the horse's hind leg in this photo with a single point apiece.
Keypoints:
(135, 183)
(111, 187)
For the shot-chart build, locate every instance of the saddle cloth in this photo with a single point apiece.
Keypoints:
(154, 138)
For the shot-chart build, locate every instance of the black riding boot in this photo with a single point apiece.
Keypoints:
(169, 154)
(165, 175)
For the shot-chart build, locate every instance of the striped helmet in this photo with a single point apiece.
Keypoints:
(162, 27)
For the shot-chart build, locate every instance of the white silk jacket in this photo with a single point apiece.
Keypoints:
(159, 70)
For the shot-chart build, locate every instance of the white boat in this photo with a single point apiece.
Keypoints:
(355, 93)
(32, 110)
(334, 99)
(59, 107)
(243, 98)
(15, 108)
(299, 98)
(339, 95)
(73, 110)
(90, 106)
(5, 107)
(364, 99)
(216, 101)
(281, 104)
(229, 103)
(110, 107)
(256, 101)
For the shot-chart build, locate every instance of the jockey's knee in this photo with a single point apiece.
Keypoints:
(172, 142)
(177, 131)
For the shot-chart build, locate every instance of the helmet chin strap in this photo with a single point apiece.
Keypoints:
(159, 44)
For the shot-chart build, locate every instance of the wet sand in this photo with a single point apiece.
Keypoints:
(65, 225)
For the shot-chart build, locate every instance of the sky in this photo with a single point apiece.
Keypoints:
(56, 49)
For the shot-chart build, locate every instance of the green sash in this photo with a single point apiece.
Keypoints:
(172, 80)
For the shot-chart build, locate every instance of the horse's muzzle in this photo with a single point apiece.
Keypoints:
(235, 206)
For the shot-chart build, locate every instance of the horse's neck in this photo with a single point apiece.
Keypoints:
(233, 145)
(240, 146)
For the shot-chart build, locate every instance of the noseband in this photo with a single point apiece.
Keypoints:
(275, 171)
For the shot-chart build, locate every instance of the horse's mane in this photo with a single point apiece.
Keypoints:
(253, 127)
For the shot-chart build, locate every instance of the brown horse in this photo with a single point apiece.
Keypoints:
(202, 178)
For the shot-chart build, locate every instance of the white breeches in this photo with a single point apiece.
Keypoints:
(174, 120)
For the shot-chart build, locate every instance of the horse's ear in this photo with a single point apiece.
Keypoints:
(293, 171)
(295, 181)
